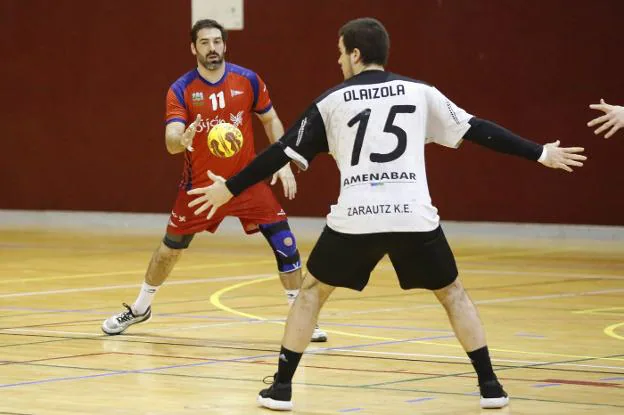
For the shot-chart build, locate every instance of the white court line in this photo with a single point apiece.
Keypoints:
(548, 296)
(383, 266)
(492, 301)
(211, 325)
(435, 356)
(463, 270)
(543, 274)
(117, 273)
(253, 276)
(466, 359)
(114, 287)
(75, 333)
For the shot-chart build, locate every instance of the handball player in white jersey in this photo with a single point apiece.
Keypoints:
(375, 125)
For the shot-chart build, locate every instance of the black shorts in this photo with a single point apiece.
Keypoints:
(420, 259)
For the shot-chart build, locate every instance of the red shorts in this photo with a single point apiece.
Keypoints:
(256, 205)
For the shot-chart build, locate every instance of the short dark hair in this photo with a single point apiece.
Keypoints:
(207, 24)
(370, 37)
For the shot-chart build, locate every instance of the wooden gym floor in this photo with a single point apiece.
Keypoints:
(553, 311)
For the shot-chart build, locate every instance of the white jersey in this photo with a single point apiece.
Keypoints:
(376, 125)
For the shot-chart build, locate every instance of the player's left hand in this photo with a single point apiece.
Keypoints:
(563, 157)
(613, 119)
(215, 195)
(287, 178)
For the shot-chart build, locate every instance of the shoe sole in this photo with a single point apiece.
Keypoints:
(494, 403)
(275, 405)
(114, 333)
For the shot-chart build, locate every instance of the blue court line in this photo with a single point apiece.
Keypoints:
(126, 372)
(534, 336)
(210, 362)
(419, 400)
(350, 410)
(546, 385)
(615, 378)
(107, 313)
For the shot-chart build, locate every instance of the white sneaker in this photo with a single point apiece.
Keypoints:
(118, 323)
(318, 336)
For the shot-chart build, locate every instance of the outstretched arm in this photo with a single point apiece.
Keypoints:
(497, 138)
(301, 143)
(220, 191)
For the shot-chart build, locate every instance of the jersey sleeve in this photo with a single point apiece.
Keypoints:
(176, 107)
(446, 122)
(306, 138)
(262, 100)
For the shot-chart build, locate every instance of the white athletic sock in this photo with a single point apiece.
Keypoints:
(145, 298)
(291, 295)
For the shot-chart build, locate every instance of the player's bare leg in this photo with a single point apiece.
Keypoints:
(463, 316)
(162, 263)
(304, 313)
(299, 327)
(160, 266)
(282, 241)
(291, 282)
(467, 326)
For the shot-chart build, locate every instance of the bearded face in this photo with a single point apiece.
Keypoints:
(209, 49)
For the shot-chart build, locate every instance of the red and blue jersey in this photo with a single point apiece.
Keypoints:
(232, 99)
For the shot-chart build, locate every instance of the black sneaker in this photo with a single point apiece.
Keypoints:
(277, 396)
(118, 323)
(493, 395)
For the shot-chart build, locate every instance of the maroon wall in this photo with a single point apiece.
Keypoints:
(83, 87)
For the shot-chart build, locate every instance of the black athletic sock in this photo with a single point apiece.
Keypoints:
(288, 362)
(482, 364)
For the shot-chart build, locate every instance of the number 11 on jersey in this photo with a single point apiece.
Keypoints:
(218, 100)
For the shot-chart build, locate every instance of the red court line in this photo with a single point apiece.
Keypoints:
(165, 355)
(406, 372)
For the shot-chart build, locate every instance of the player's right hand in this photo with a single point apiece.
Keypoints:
(187, 136)
(563, 157)
(613, 119)
(213, 196)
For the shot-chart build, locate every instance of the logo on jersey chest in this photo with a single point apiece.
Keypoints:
(197, 98)
(236, 120)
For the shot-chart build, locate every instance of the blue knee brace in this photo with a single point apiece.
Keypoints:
(284, 246)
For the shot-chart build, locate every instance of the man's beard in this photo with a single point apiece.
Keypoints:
(212, 64)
